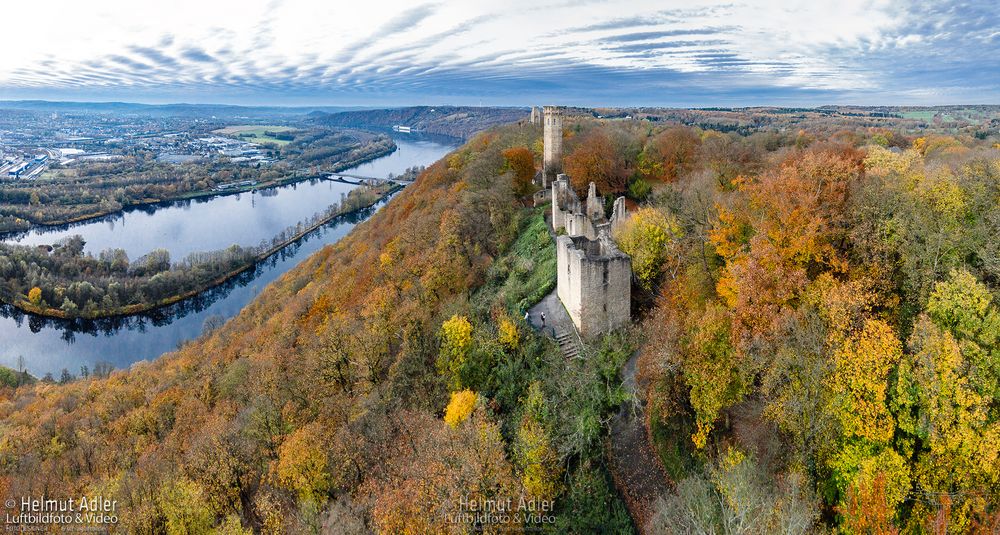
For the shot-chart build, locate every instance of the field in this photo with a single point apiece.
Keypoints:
(921, 115)
(257, 133)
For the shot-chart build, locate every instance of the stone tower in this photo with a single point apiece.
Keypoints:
(552, 137)
(536, 115)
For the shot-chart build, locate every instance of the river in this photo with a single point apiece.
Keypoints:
(183, 227)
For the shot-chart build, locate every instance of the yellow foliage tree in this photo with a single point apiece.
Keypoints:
(460, 407)
(959, 448)
(303, 465)
(185, 507)
(711, 369)
(540, 461)
(646, 237)
(456, 341)
(35, 295)
(860, 381)
(509, 337)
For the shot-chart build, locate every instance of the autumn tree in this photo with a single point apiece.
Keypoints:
(860, 381)
(431, 468)
(647, 237)
(185, 508)
(456, 342)
(945, 420)
(671, 154)
(509, 337)
(594, 159)
(535, 452)
(712, 369)
(785, 224)
(520, 161)
(302, 464)
(964, 307)
(460, 407)
(917, 216)
(867, 509)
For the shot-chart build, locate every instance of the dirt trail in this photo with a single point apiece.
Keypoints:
(634, 466)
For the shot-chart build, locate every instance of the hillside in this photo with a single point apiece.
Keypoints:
(455, 121)
(322, 402)
(815, 346)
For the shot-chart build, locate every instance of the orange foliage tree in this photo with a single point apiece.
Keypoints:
(671, 154)
(594, 159)
(521, 162)
(787, 224)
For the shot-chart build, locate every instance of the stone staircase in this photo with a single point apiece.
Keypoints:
(568, 343)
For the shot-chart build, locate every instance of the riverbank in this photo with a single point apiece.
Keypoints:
(352, 206)
(295, 177)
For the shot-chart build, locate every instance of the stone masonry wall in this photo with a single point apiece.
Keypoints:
(594, 283)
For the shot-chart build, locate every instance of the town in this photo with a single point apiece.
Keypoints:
(36, 144)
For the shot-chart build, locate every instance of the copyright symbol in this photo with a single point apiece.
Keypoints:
(10, 503)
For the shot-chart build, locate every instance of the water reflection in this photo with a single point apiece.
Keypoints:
(199, 303)
(49, 345)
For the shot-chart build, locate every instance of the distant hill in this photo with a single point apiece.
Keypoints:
(457, 121)
(166, 110)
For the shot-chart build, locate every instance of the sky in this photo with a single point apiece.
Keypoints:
(508, 52)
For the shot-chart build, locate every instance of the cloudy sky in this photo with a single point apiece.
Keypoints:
(509, 52)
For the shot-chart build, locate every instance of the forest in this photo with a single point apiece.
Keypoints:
(94, 189)
(815, 314)
(63, 281)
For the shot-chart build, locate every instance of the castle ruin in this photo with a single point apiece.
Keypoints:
(594, 277)
(536, 115)
(594, 283)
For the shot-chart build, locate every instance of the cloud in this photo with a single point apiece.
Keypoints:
(196, 54)
(520, 52)
(649, 36)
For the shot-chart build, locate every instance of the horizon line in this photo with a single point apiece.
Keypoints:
(443, 104)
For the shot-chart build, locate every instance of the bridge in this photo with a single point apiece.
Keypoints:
(365, 180)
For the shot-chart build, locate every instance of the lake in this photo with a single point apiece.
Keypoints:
(184, 227)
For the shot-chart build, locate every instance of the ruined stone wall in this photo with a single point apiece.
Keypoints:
(618, 215)
(595, 203)
(573, 215)
(594, 283)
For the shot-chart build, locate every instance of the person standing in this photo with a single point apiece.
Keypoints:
(543, 319)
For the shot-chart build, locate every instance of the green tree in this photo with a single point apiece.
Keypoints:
(712, 369)
(964, 307)
(185, 508)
